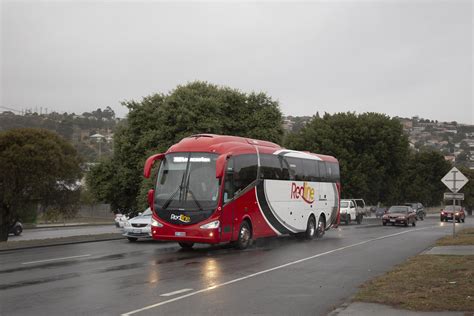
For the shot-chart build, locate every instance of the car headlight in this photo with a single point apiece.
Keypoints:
(402, 217)
(457, 213)
(211, 225)
(155, 223)
(127, 224)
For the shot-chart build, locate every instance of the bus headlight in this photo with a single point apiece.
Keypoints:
(211, 225)
(155, 223)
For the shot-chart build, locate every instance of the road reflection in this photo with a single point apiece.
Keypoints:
(211, 272)
(153, 276)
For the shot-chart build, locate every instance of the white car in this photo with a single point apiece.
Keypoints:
(350, 211)
(138, 227)
(120, 220)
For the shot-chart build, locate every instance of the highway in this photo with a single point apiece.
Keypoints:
(276, 276)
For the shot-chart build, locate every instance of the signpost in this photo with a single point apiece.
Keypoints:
(454, 196)
(454, 180)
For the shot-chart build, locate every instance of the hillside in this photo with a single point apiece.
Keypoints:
(91, 133)
(455, 141)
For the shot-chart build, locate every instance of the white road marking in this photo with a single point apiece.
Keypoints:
(176, 292)
(270, 270)
(56, 259)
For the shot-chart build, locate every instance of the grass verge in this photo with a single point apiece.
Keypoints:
(464, 238)
(427, 282)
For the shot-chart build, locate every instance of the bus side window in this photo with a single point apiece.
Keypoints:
(308, 169)
(322, 171)
(245, 171)
(335, 173)
(229, 181)
(316, 170)
(270, 167)
(285, 168)
(296, 168)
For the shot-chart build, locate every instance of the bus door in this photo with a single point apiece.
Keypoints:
(229, 204)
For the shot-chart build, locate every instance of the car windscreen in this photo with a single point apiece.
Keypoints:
(398, 209)
(147, 213)
(452, 207)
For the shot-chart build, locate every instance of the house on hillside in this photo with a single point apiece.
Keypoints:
(450, 158)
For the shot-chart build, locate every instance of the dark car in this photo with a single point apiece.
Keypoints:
(399, 214)
(16, 229)
(380, 211)
(419, 209)
(447, 213)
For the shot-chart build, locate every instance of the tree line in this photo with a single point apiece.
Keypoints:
(375, 159)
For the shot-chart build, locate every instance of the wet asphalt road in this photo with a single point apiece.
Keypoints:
(275, 276)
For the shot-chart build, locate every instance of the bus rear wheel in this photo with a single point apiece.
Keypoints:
(310, 228)
(245, 236)
(186, 245)
(321, 227)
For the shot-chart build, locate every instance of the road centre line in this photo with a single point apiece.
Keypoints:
(56, 259)
(176, 292)
(270, 270)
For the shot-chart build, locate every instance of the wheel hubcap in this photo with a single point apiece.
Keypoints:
(244, 235)
(321, 228)
(312, 229)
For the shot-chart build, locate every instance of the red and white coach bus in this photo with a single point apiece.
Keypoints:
(216, 189)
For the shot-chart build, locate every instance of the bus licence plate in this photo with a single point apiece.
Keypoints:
(180, 234)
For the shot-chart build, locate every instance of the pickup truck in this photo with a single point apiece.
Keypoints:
(352, 210)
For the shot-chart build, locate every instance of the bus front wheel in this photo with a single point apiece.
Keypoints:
(245, 236)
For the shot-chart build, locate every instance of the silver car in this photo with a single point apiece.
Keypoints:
(138, 227)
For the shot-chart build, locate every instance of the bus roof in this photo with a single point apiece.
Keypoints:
(235, 145)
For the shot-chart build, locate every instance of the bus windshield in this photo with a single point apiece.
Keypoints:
(187, 181)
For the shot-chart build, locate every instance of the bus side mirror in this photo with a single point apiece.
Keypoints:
(151, 198)
(220, 164)
(149, 164)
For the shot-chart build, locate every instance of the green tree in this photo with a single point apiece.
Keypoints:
(36, 166)
(160, 120)
(468, 189)
(422, 178)
(371, 148)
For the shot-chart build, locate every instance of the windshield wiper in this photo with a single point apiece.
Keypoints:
(178, 189)
(168, 201)
(195, 200)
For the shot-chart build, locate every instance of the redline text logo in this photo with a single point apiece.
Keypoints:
(305, 192)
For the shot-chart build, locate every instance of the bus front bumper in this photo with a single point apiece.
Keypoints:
(192, 233)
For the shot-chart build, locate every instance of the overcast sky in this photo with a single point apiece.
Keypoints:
(402, 58)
